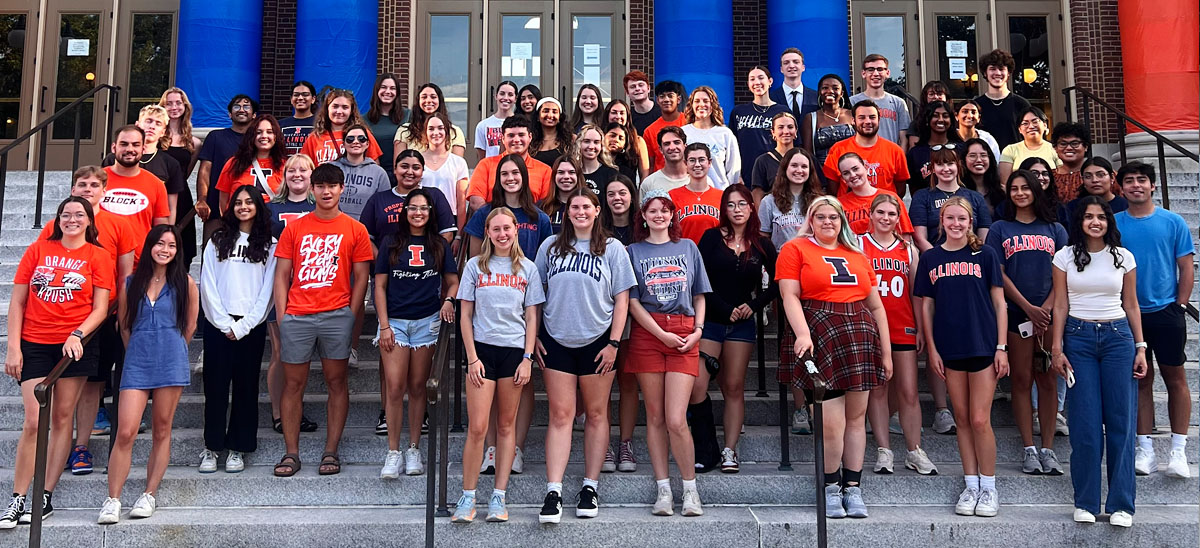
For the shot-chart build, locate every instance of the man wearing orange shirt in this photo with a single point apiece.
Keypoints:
(697, 204)
(134, 193)
(887, 167)
(668, 93)
(517, 132)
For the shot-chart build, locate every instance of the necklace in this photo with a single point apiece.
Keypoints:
(760, 109)
(835, 116)
(151, 158)
(698, 195)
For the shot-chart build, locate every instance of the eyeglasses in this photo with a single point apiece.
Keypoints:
(1041, 174)
(696, 161)
(737, 205)
(947, 146)
(356, 139)
(246, 108)
(875, 69)
(72, 216)
(418, 209)
(1030, 123)
(1093, 176)
(1071, 144)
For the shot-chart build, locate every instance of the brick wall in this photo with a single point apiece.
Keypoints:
(1096, 44)
(641, 36)
(749, 44)
(394, 35)
(278, 56)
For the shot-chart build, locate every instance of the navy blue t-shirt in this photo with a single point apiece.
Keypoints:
(295, 131)
(530, 233)
(284, 212)
(381, 213)
(414, 288)
(1026, 252)
(751, 125)
(219, 146)
(926, 208)
(960, 283)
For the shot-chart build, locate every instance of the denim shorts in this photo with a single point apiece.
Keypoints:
(739, 331)
(414, 333)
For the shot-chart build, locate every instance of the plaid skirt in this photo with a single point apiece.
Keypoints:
(845, 344)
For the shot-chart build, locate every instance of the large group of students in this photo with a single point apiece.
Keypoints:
(635, 242)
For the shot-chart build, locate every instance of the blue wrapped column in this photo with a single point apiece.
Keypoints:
(693, 44)
(338, 45)
(818, 28)
(220, 52)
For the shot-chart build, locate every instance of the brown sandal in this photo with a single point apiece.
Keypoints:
(330, 464)
(288, 465)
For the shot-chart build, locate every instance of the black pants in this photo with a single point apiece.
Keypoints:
(236, 363)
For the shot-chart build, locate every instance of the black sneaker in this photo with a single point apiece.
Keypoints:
(12, 514)
(47, 509)
(551, 508)
(589, 503)
(381, 426)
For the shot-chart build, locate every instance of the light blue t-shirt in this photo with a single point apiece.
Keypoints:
(1156, 241)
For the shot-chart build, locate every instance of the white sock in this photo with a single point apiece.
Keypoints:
(1145, 444)
(689, 485)
(663, 483)
(590, 483)
(972, 482)
(1178, 442)
(499, 492)
(987, 482)
(1029, 448)
(469, 493)
(554, 487)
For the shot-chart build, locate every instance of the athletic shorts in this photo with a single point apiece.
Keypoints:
(973, 364)
(328, 332)
(111, 350)
(414, 333)
(1165, 332)
(39, 359)
(499, 362)
(904, 347)
(575, 361)
(740, 331)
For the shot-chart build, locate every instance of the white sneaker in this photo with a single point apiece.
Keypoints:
(884, 460)
(412, 461)
(989, 503)
(664, 503)
(353, 356)
(234, 462)
(518, 461)
(391, 465)
(110, 512)
(208, 462)
(1083, 516)
(489, 461)
(919, 461)
(691, 503)
(1060, 426)
(1177, 466)
(1121, 518)
(1144, 462)
(143, 507)
(967, 501)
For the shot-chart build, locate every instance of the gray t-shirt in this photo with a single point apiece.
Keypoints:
(893, 115)
(583, 287)
(668, 276)
(782, 226)
(500, 299)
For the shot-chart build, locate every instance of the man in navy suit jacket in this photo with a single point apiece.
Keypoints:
(791, 64)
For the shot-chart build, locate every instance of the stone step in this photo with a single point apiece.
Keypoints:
(733, 527)
(359, 485)
(759, 444)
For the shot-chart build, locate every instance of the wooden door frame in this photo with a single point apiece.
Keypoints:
(566, 42)
(20, 156)
(123, 39)
(58, 151)
(907, 10)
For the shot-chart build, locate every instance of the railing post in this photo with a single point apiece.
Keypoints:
(1162, 175)
(39, 467)
(435, 430)
(3, 182)
(785, 440)
(78, 130)
(113, 93)
(762, 358)
(41, 186)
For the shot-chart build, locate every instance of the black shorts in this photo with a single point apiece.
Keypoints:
(1165, 332)
(1016, 317)
(904, 347)
(112, 350)
(39, 359)
(811, 396)
(576, 361)
(499, 362)
(973, 364)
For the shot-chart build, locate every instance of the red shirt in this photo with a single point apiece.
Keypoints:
(114, 236)
(140, 199)
(892, 265)
(323, 253)
(886, 165)
(484, 178)
(833, 275)
(61, 285)
(651, 137)
(858, 211)
(229, 181)
(327, 147)
(696, 211)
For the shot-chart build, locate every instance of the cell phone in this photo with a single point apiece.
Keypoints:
(1025, 329)
(1070, 379)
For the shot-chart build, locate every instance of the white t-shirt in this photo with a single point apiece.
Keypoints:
(488, 134)
(1095, 293)
(659, 181)
(446, 178)
(726, 166)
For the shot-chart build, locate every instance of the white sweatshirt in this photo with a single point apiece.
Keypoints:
(236, 287)
(726, 168)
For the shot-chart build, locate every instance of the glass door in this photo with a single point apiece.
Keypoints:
(591, 48)
(447, 29)
(956, 34)
(520, 47)
(18, 29)
(145, 53)
(885, 28)
(1031, 31)
(76, 60)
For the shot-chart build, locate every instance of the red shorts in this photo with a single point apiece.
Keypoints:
(647, 354)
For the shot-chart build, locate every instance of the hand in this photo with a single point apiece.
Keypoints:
(920, 342)
(1040, 316)
(229, 334)
(742, 312)
(1139, 363)
(523, 372)
(887, 366)
(690, 341)
(447, 312)
(606, 358)
(803, 345)
(1001, 364)
(387, 339)
(13, 362)
(455, 244)
(202, 209)
(671, 340)
(73, 348)
(935, 361)
(1060, 365)
(539, 352)
(475, 373)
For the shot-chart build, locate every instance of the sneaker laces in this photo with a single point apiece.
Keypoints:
(968, 494)
(208, 454)
(464, 502)
(15, 507)
(392, 459)
(986, 497)
(664, 491)
(627, 451)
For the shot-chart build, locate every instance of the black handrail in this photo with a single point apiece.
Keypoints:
(43, 129)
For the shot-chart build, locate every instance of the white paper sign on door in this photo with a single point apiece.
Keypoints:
(958, 69)
(956, 48)
(521, 50)
(78, 47)
(591, 54)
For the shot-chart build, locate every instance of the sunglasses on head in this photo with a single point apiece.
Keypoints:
(356, 139)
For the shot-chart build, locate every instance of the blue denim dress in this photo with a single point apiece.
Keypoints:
(157, 355)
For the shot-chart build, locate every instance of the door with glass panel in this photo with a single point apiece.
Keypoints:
(886, 28)
(956, 34)
(18, 37)
(1033, 33)
(591, 37)
(520, 47)
(449, 37)
(76, 59)
(146, 32)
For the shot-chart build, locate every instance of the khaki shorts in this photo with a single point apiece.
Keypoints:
(327, 332)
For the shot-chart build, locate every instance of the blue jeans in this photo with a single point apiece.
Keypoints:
(1105, 393)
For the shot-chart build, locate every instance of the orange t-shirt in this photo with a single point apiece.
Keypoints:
(61, 282)
(887, 167)
(858, 210)
(228, 181)
(327, 147)
(114, 235)
(892, 265)
(651, 137)
(484, 178)
(140, 199)
(323, 253)
(696, 212)
(832, 275)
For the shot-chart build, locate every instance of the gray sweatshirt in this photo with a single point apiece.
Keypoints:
(362, 181)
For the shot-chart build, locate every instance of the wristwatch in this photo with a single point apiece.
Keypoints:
(1142, 344)
(527, 357)
(614, 343)
(1002, 347)
(450, 300)
(77, 333)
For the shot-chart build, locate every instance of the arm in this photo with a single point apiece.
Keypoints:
(474, 366)
(124, 270)
(173, 204)
(449, 289)
(790, 291)
(460, 198)
(1133, 313)
(202, 178)
(1059, 323)
(693, 338)
(643, 159)
(193, 310)
(476, 202)
(806, 132)
(459, 150)
(73, 347)
(733, 161)
(525, 369)
(1187, 277)
(1004, 169)
(981, 233)
(283, 282)
(262, 304)
(476, 245)
(644, 319)
(387, 340)
(934, 359)
(195, 156)
(214, 307)
(480, 154)
(921, 238)
(14, 361)
(766, 296)
(904, 144)
(1001, 362)
(362, 271)
(222, 201)
(875, 305)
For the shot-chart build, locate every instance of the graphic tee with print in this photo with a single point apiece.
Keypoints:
(414, 289)
(140, 199)
(668, 276)
(500, 298)
(61, 285)
(323, 253)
